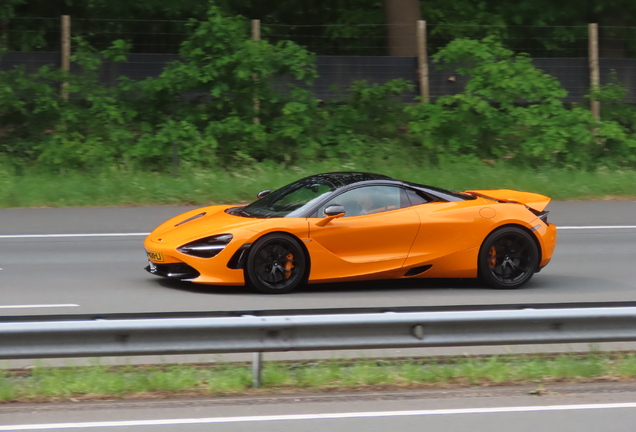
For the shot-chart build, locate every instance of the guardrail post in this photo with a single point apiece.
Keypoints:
(257, 369)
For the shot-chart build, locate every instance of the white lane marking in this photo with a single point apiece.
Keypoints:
(597, 227)
(350, 415)
(35, 306)
(17, 236)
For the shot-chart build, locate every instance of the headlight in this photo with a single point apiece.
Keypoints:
(206, 247)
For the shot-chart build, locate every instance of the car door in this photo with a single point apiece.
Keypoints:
(449, 238)
(374, 236)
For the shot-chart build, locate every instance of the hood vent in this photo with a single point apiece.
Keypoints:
(191, 218)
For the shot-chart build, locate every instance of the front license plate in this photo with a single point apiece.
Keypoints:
(155, 256)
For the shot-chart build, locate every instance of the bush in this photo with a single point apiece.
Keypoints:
(510, 110)
(204, 105)
(137, 122)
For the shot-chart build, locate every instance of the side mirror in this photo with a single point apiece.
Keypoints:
(331, 212)
(263, 193)
(334, 210)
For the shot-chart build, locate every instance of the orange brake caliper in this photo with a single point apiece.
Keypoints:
(289, 265)
(492, 257)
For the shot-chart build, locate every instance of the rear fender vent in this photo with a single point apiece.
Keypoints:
(543, 215)
(417, 270)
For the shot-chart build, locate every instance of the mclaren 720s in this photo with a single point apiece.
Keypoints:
(352, 226)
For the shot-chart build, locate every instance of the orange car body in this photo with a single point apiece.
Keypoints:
(442, 239)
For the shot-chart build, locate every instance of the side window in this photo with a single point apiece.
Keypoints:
(415, 198)
(369, 200)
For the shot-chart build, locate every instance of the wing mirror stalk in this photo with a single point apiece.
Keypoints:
(331, 212)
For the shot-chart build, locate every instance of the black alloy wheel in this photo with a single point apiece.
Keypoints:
(276, 264)
(508, 258)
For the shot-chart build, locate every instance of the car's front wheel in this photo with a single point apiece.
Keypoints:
(508, 258)
(276, 264)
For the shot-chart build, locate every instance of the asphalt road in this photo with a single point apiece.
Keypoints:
(105, 274)
(589, 408)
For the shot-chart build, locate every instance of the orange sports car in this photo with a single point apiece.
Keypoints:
(352, 226)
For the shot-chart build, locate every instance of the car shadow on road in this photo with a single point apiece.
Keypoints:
(202, 288)
(393, 284)
(337, 287)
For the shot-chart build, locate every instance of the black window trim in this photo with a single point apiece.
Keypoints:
(434, 195)
(314, 212)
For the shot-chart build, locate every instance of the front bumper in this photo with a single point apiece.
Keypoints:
(178, 266)
(179, 271)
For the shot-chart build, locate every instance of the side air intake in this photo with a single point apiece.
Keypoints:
(417, 270)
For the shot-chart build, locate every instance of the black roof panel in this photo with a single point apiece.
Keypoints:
(346, 178)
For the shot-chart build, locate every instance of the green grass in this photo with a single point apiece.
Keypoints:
(95, 382)
(202, 187)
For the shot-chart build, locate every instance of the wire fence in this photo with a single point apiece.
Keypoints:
(44, 34)
(144, 36)
(537, 41)
(339, 40)
(345, 53)
(165, 36)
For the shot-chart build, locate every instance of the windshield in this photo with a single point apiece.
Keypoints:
(291, 200)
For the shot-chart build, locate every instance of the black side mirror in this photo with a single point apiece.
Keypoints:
(334, 210)
(263, 193)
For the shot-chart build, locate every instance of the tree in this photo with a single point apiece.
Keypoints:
(401, 17)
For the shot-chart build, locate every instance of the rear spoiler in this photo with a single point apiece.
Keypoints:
(532, 200)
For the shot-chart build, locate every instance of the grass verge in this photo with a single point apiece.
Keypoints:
(203, 187)
(96, 382)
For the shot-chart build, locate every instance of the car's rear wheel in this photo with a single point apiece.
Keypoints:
(508, 258)
(276, 264)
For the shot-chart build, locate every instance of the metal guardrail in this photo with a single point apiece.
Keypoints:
(313, 332)
(258, 334)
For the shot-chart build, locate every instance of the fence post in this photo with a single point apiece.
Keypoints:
(595, 105)
(66, 51)
(256, 35)
(422, 60)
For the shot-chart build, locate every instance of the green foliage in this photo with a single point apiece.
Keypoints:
(351, 27)
(510, 110)
(203, 104)
(139, 122)
(220, 61)
(217, 106)
(367, 124)
(96, 382)
(619, 124)
(29, 108)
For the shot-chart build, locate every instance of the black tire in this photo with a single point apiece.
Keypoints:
(276, 264)
(508, 258)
